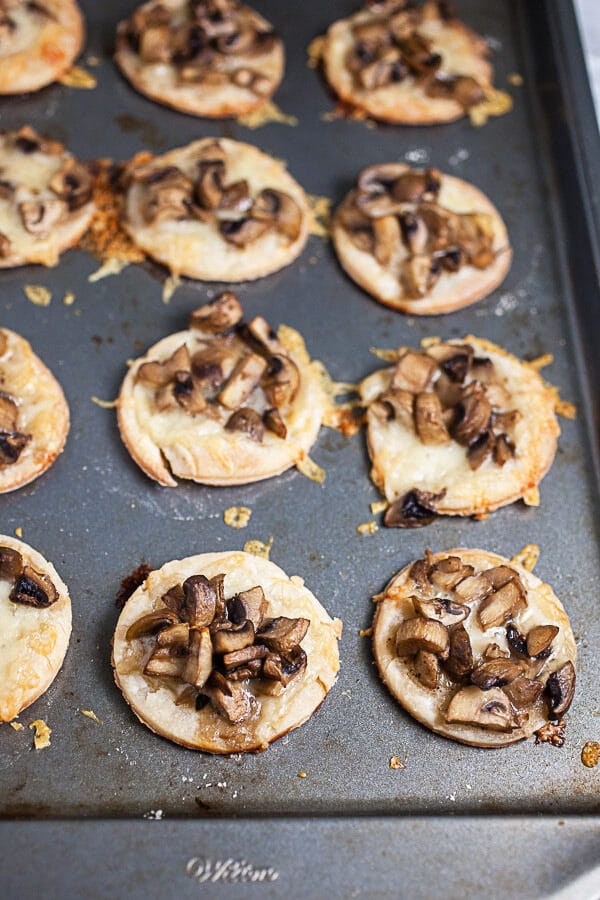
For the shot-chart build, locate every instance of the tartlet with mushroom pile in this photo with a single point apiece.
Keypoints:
(204, 57)
(223, 652)
(475, 647)
(420, 241)
(34, 416)
(39, 40)
(35, 625)
(45, 199)
(225, 402)
(408, 64)
(217, 210)
(457, 428)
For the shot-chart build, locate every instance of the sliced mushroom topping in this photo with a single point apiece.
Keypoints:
(174, 600)
(418, 274)
(414, 232)
(416, 52)
(539, 640)
(448, 612)
(154, 45)
(399, 404)
(214, 364)
(168, 197)
(516, 641)
(273, 422)
(29, 141)
(523, 692)
(260, 331)
(498, 576)
(560, 689)
(502, 605)
(5, 246)
(209, 187)
(236, 197)
(72, 183)
(486, 709)
(217, 583)
(419, 572)
(199, 602)
(252, 669)
(176, 635)
(39, 216)
(248, 421)
(416, 187)
(242, 381)
(199, 661)
(228, 698)
(281, 380)
(11, 563)
(413, 372)
(229, 638)
(506, 420)
(276, 206)
(9, 412)
(284, 667)
(248, 605)
(447, 572)
(504, 449)
(165, 662)
(427, 669)
(462, 88)
(415, 510)
(33, 589)
(159, 374)
(421, 634)
(428, 419)
(481, 448)
(282, 634)
(495, 673)
(12, 444)
(188, 393)
(243, 656)
(219, 315)
(386, 232)
(151, 623)
(460, 656)
(495, 651)
(243, 231)
(472, 417)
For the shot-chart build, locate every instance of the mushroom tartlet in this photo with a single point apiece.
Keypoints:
(458, 428)
(420, 241)
(223, 652)
(35, 625)
(225, 402)
(38, 42)
(217, 210)
(34, 416)
(475, 647)
(407, 64)
(45, 199)
(204, 57)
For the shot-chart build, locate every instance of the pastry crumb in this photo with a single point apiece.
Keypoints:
(314, 51)
(496, 103)
(237, 516)
(564, 408)
(378, 506)
(515, 78)
(367, 527)
(259, 548)
(320, 215)
(90, 714)
(19, 531)
(112, 266)
(396, 764)
(383, 353)
(540, 362)
(365, 632)
(169, 287)
(267, 112)
(76, 77)
(41, 739)
(309, 468)
(17, 726)
(38, 294)
(69, 298)
(527, 557)
(301, 774)
(532, 497)
(551, 733)
(104, 404)
(590, 754)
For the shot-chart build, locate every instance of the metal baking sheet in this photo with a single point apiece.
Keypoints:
(97, 516)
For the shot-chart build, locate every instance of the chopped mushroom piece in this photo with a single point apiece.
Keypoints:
(460, 656)
(243, 656)
(166, 662)
(188, 394)
(283, 634)
(159, 374)
(242, 381)
(386, 231)
(176, 635)
(413, 372)
(168, 197)
(243, 231)
(414, 232)
(274, 423)
(281, 209)
(486, 709)
(498, 576)
(283, 667)
(504, 449)
(472, 417)
(495, 673)
(9, 413)
(415, 510)
(539, 640)
(516, 641)
(421, 634)
(228, 698)
(39, 216)
(448, 612)
(447, 572)
(418, 275)
(428, 419)
(11, 563)
(265, 336)
(151, 623)
(250, 604)
(281, 380)
(199, 660)
(12, 444)
(401, 404)
(72, 183)
(248, 422)
(481, 448)
(502, 605)
(209, 187)
(427, 668)
(560, 689)
(419, 572)
(473, 588)
(523, 692)
(199, 603)
(234, 637)
(33, 589)
(219, 315)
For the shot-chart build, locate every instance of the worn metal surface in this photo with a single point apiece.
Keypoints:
(96, 515)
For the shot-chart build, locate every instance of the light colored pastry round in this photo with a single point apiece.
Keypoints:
(45, 199)
(167, 704)
(172, 52)
(392, 80)
(502, 712)
(461, 460)
(34, 416)
(38, 43)
(33, 638)
(375, 251)
(180, 223)
(172, 439)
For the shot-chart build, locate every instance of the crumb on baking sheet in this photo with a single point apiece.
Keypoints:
(590, 754)
(169, 287)
(515, 79)
(38, 294)
(396, 764)
(310, 469)
(259, 548)
(346, 417)
(104, 404)
(314, 51)
(551, 733)
(527, 557)
(16, 726)
(69, 298)
(532, 497)
(266, 113)
(367, 527)
(383, 353)
(343, 110)
(237, 516)
(90, 714)
(41, 738)
(378, 506)
(302, 774)
(19, 531)
(365, 632)
(131, 582)
(496, 103)
(112, 266)
(76, 77)
(320, 215)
